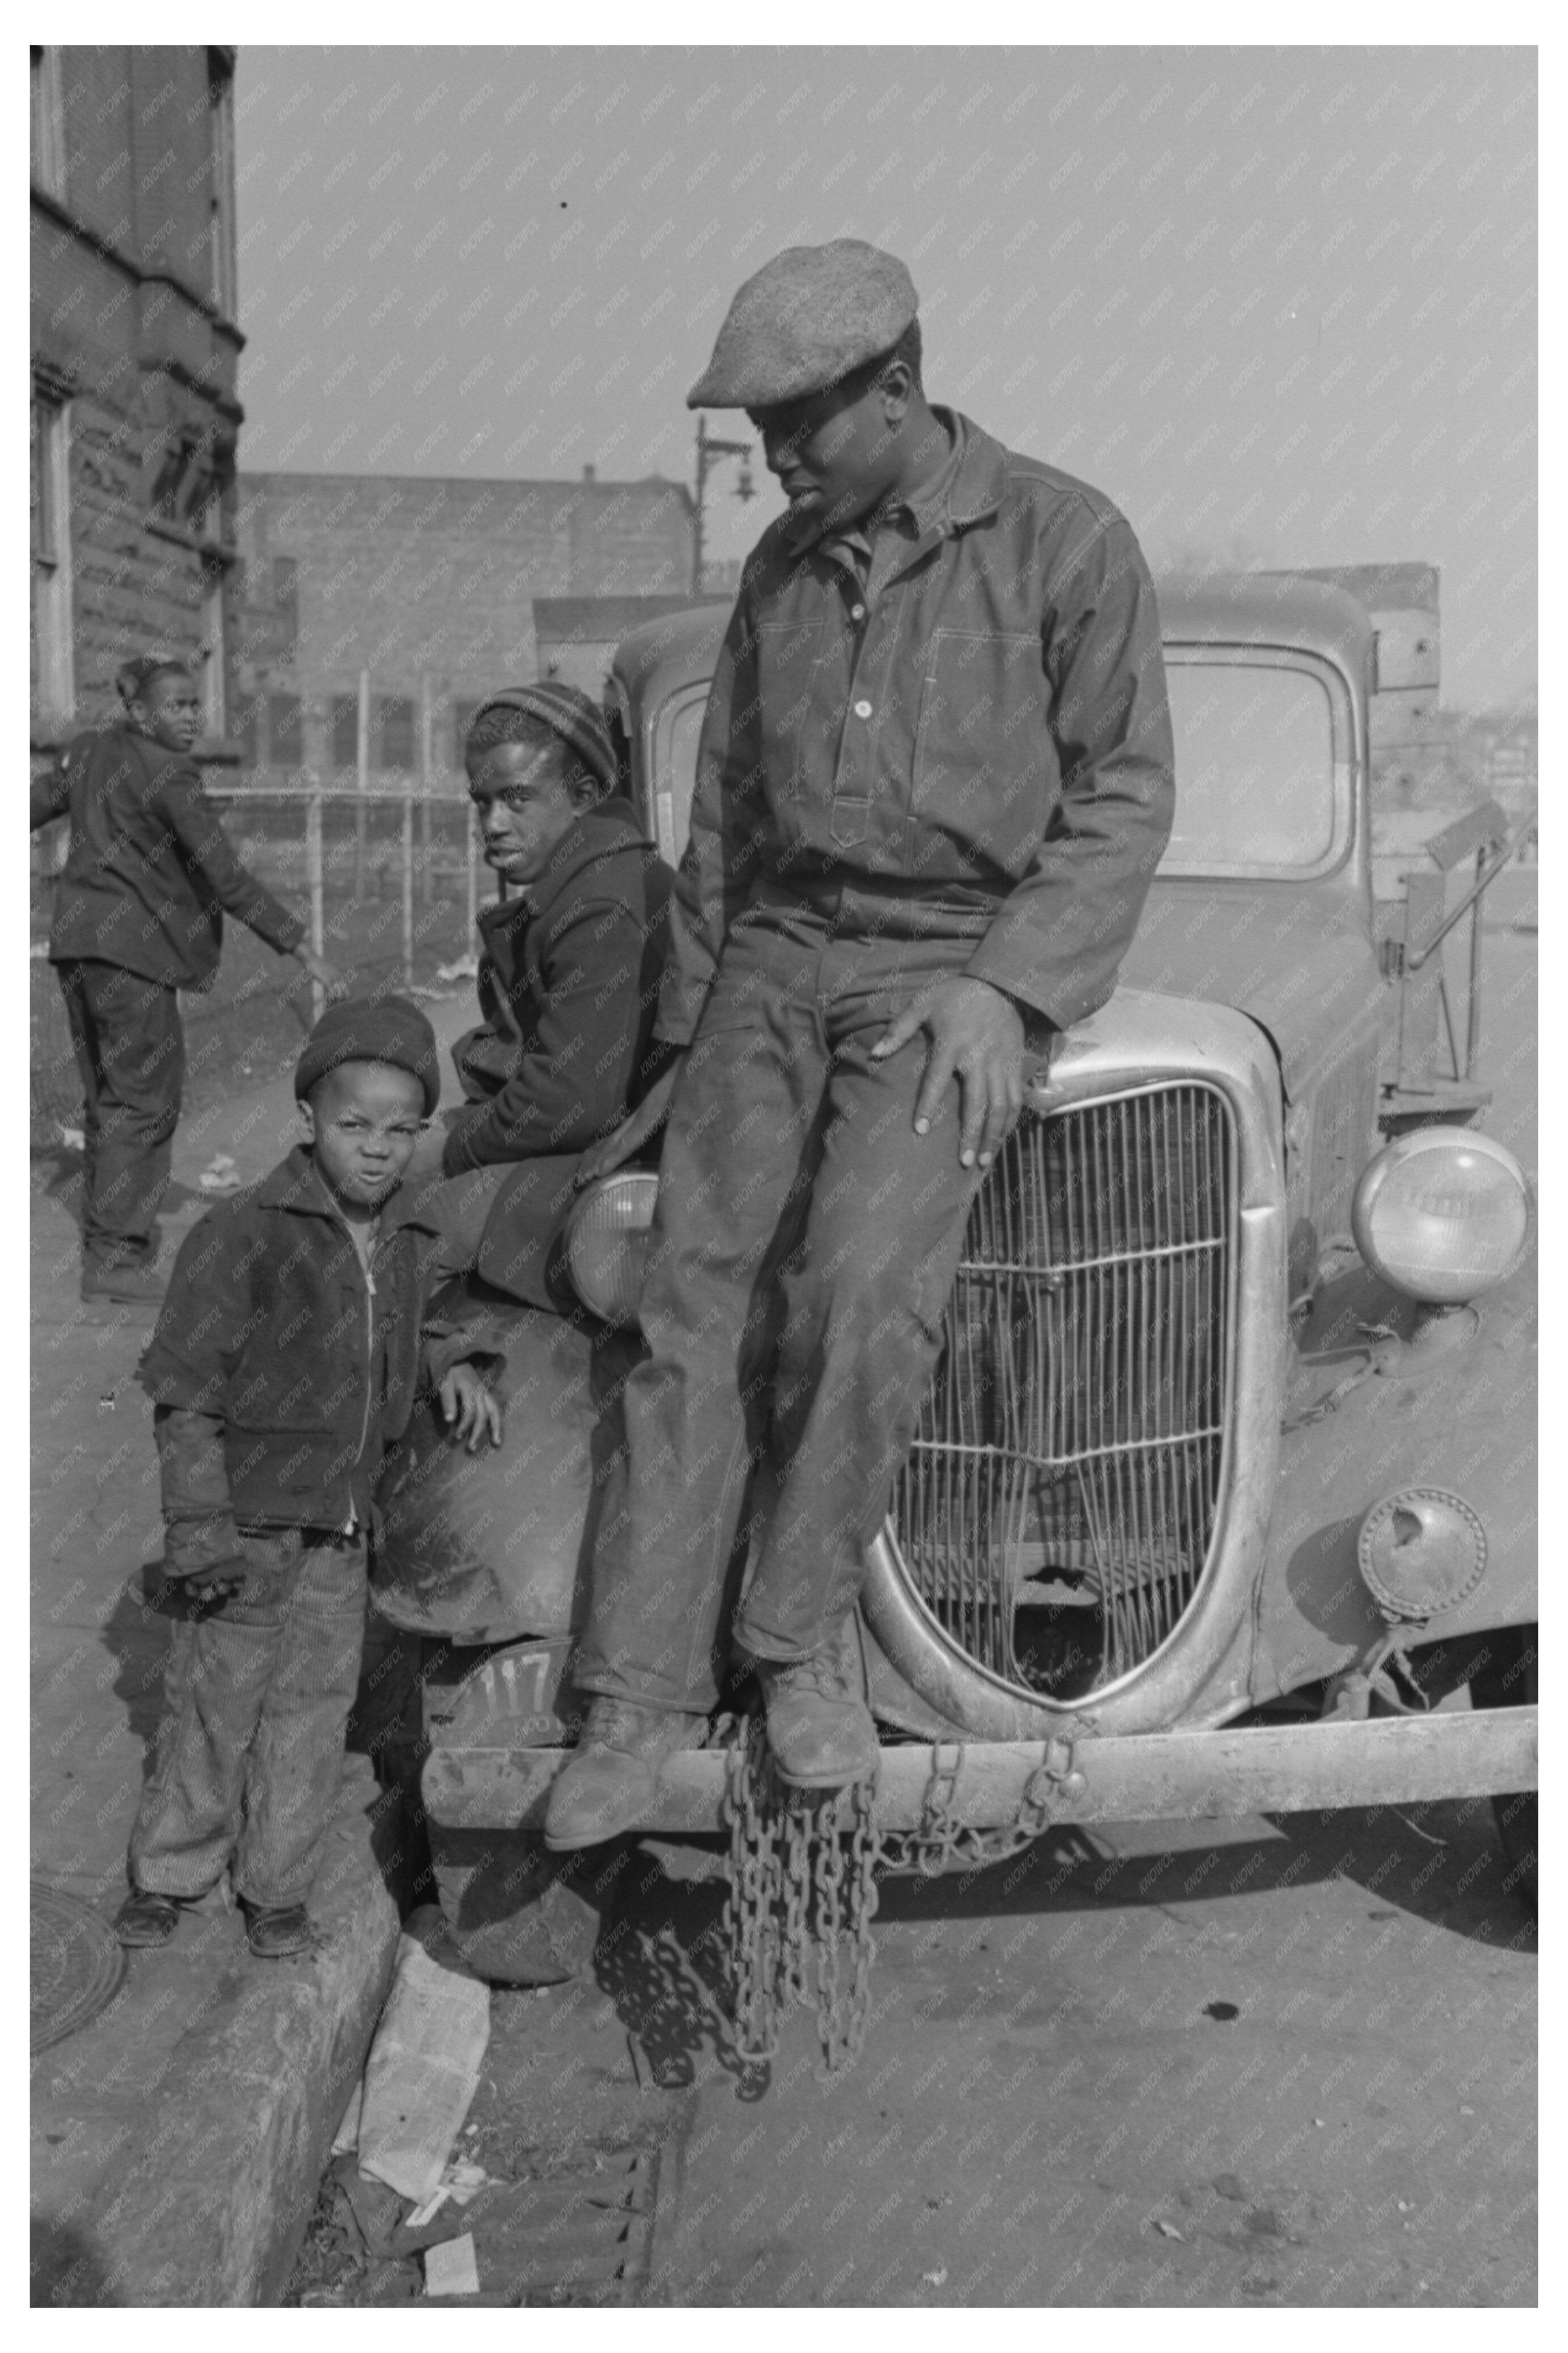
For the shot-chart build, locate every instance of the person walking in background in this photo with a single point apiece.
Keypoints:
(139, 913)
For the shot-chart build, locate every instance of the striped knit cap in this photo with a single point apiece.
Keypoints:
(568, 713)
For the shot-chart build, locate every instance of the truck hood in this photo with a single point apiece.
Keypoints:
(1297, 962)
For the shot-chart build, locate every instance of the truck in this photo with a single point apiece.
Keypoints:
(1222, 1497)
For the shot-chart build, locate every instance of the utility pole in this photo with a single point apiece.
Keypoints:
(710, 450)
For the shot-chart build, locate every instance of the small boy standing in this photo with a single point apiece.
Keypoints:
(138, 916)
(286, 1360)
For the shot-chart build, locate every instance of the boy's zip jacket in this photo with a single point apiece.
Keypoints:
(287, 1366)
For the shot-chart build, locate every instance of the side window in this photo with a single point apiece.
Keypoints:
(395, 732)
(52, 680)
(345, 730)
(676, 738)
(285, 741)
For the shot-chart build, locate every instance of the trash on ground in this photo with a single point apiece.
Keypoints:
(450, 2268)
(466, 967)
(424, 2064)
(221, 1175)
(1167, 2229)
(937, 2278)
(72, 1139)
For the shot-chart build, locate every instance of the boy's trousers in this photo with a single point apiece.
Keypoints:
(804, 1246)
(257, 1695)
(131, 1054)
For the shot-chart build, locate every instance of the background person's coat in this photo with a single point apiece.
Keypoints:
(150, 869)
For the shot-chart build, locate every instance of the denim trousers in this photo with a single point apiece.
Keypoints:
(130, 1055)
(257, 1695)
(801, 1252)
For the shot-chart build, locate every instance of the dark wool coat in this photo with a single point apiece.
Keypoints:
(149, 868)
(568, 982)
(270, 1328)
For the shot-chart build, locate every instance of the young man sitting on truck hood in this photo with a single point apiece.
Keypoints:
(933, 784)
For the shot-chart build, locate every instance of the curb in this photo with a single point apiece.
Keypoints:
(219, 2193)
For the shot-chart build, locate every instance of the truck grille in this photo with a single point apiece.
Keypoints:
(1059, 1499)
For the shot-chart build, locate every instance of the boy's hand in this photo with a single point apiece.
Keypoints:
(468, 1404)
(327, 977)
(634, 1130)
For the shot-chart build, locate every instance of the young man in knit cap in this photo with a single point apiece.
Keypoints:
(286, 1360)
(139, 913)
(933, 784)
(568, 980)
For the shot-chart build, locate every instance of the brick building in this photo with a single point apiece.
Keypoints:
(439, 590)
(134, 421)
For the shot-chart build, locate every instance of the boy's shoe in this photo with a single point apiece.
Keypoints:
(614, 1775)
(275, 1931)
(819, 1728)
(126, 1286)
(147, 1918)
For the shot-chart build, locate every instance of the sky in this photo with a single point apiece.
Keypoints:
(1279, 304)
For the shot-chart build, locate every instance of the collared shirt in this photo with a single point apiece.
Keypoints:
(974, 727)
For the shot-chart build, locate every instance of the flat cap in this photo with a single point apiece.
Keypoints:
(808, 317)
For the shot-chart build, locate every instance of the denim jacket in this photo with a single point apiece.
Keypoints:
(981, 740)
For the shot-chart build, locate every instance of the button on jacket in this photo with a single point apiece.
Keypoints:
(149, 868)
(270, 1328)
(966, 736)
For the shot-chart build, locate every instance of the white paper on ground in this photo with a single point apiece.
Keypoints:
(347, 2139)
(451, 2269)
(422, 2072)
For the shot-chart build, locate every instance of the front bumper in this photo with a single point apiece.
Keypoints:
(1140, 1776)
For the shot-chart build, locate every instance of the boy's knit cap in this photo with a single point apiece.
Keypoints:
(372, 1029)
(804, 321)
(570, 713)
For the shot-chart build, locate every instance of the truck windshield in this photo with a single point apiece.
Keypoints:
(1255, 767)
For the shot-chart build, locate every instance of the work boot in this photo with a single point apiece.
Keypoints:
(612, 1780)
(126, 1286)
(275, 1932)
(819, 1728)
(148, 1918)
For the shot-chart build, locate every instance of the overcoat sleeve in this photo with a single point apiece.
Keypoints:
(198, 829)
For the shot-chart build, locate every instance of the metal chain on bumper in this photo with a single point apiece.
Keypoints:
(943, 1843)
(802, 1881)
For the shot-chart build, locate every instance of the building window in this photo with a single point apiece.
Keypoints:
(215, 650)
(53, 684)
(249, 729)
(394, 731)
(345, 730)
(285, 732)
(462, 720)
(221, 230)
(48, 138)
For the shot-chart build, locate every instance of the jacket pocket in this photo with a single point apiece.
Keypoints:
(985, 703)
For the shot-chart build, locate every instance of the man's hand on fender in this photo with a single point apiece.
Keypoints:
(634, 1130)
(977, 1035)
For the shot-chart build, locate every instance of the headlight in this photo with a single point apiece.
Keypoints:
(1442, 1214)
(606, 1243)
